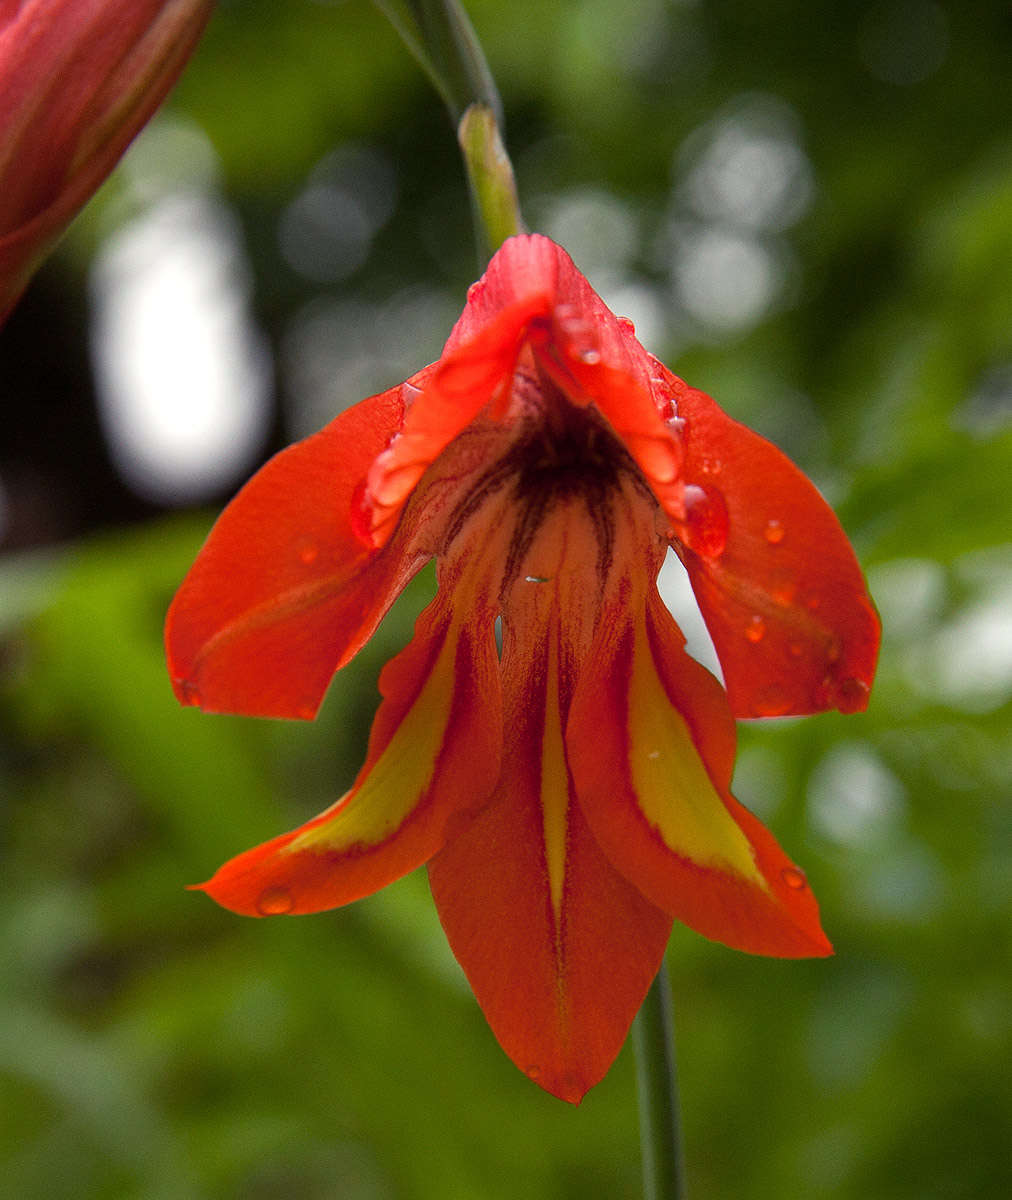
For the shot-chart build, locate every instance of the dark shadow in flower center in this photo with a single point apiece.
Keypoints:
(562, 452)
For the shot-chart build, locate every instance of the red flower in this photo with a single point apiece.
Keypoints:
(571, 792)
(78, 79)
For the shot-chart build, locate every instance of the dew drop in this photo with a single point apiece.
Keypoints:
(772, 701)
(851, 695)
(710, 466)
(308, 551)
(475, 290)
(755, 630)
(626, 325)
(783, 589)
(834, 650)
(774, 532)
(306, 712)
(706, 520)
(794, 877)
(577, 335)
(664, 398)
(653, 754)
(537, 579)
(410, 393)
(189, 693)
(533, 1072)
(274, 901)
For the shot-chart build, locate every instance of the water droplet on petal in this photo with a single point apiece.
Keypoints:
(626, 325)
(533, 1072)
(274, 901)
(577, 335)
(410, 393)
(794, 877)
(772, 701)
(851, 695)
(834, 650)
(475, 290)
(306, 712)
(710, 466)
(755, 630)
(774, 532)
(189, 693)
(783, 589)
(663, 396)
(706, 520)
(307, 550)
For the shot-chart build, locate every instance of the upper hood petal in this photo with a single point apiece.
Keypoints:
(532, 293)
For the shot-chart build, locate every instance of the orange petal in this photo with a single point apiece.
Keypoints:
(647, 722)
(433, 754)
(558, 947)
(283, 591)
(773, 572)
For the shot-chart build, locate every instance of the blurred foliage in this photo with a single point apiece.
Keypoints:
(154, 1046)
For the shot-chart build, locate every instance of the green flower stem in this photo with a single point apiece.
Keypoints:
(490, 179)
(442, 39)
(439, 35)
(657, 1086)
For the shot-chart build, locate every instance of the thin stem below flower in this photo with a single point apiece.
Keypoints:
(657, 1087)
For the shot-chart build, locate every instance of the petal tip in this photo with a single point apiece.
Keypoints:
(564, 1086)
(186, 692)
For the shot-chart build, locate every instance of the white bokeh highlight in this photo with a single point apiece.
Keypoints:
(183, 378)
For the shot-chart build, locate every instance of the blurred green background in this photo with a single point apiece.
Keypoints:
(806, 207)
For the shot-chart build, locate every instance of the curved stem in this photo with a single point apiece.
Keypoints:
(439, 35)
(442, 39)
(657, 1088)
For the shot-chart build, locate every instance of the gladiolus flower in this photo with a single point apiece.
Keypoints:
(569, 791)
(78, 79)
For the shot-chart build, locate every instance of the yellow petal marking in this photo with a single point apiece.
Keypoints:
(554, 788)
(379, 806)
(672, 787)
